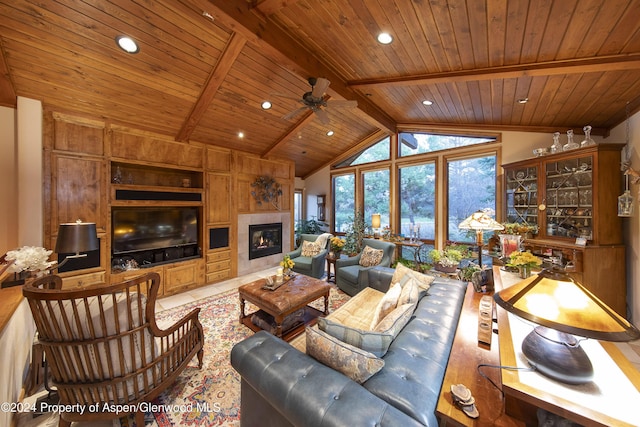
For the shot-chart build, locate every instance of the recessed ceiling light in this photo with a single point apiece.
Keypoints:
(385, 38)
(330, 133)
(127, 44)
(266, 105)
(240, 134)
(427, 102)
(523, 100)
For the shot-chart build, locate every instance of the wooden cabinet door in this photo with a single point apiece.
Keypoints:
(78, 191)
(218, 198)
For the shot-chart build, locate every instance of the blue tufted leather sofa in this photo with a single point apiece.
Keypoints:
(282, 386)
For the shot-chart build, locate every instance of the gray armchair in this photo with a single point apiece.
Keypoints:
(310, 266)
(351, 277)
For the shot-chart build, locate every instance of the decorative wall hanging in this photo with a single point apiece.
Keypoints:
(267, 190)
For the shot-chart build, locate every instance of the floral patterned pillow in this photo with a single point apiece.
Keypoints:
(370, 256)
(357, 364)
(310, 249)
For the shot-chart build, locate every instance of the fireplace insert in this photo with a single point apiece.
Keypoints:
(265, 240)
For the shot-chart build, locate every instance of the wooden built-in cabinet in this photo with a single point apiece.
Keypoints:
(572, 197)
(92, 168)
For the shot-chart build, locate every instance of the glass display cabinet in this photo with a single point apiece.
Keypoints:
(571, 196)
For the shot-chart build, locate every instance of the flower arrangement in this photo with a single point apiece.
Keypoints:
(523, 259)
(287, 263)
(29, 258)
(336, 244)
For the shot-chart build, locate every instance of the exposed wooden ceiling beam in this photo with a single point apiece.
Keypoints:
(488, 127)
(307, 117)
(239, 16)
(214, 81)
(571, 66)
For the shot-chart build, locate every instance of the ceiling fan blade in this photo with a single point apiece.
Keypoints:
(320, 87)
(322, 116)
(294, 113)
(338, 103)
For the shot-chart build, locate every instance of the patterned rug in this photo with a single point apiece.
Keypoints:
(210, 396)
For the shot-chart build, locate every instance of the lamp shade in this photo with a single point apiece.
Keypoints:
(480, 220)
(375, 220)
(76, 237)
(554, 300)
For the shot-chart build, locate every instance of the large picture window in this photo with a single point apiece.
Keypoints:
(418, 200)
(471, 186)
(376, 195)
(344, 199)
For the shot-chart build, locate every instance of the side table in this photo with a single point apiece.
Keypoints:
(331, 261)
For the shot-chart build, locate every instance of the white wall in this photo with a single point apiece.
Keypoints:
(632, 225)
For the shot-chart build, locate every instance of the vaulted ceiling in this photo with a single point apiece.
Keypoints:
(205, 66)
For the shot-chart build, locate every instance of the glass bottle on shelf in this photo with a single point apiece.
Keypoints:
(556, 147)
(117, 176)
(587, 137)
(570, 145)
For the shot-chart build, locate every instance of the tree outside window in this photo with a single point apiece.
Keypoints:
(417, 200)
(344, 198)
(376, 195)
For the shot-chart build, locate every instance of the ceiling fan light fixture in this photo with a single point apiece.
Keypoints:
(385, 38)
(127, 44)
(266, 105)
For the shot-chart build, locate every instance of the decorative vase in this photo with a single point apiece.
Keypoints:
(525, 271)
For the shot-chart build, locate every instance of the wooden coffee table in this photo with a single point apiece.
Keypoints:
(292, 296)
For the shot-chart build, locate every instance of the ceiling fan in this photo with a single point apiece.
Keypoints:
(316, 102)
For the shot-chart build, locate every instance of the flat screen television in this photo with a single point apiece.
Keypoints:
(148, 228)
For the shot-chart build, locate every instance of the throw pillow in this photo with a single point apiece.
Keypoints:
(374, 342)
(410, 290)
(424, 280)
(370, 256)
(310, 249)
(386, 305)
(396, 320)
(353, 362)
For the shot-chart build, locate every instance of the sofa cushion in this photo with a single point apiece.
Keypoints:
(357, 364)
(387, 304)
(410, 293)
(370, 256)
(374, 342)
(396, 320)
(424, 280)
(310, 249)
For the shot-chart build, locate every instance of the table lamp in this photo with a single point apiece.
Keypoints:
(76, 238)
(375, 224)
(562, 308)
(480, 221)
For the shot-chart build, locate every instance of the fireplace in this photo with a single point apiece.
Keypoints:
(265, 240)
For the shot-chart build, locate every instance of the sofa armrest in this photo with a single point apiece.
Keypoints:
(380, 278)
(295, 253)
(304, 391)
(343, 262)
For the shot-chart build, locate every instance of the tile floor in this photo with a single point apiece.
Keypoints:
(630, 350)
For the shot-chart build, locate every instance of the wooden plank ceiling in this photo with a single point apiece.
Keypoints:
(205, 66)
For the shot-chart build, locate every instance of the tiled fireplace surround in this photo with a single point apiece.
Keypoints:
(245, 265)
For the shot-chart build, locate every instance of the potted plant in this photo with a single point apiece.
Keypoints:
(336, 244)
(447, 259)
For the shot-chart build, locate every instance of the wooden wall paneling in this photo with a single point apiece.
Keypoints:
(244, 195)
(150, 148)
(218, 198)
(218, 159)
(78, 135)
(77, 190)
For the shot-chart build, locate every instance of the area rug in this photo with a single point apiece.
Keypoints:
(210, 396)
